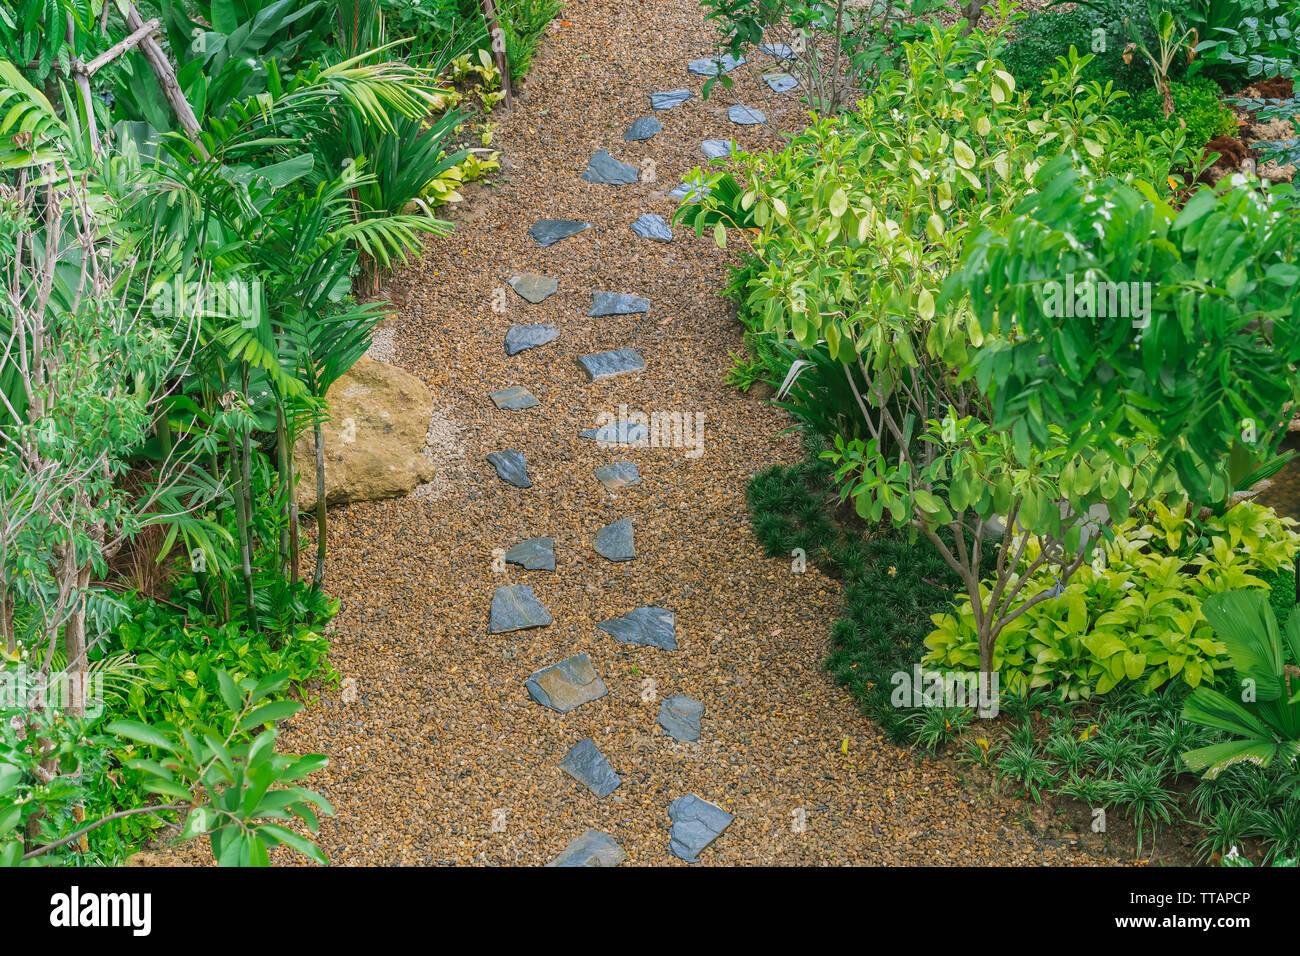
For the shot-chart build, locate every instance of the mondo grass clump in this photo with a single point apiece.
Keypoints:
(892, 585)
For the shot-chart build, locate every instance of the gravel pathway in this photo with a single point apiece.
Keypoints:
(439, 755)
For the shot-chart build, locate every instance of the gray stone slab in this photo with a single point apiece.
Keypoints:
(617, 433)
(619, 475)
(652, 226)
(781, 51)
(604, 168)
(522, 337)
(746, 115)
(669, 98)
(511, 467)
(592, 848)
(566, 685)
(586, 764)
(547, 232)
(535, 554)
(680, 716)
(516, 608)
(781, 82)
(691, 191)
(532, 286)
(713, 65)
(617, 303)
(615, 541)
(717, 148)
(653, 626)
(643, 128)
(696, 824)
(514, 398)
(608, 364)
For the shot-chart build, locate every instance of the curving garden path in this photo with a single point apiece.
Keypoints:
(439, 753)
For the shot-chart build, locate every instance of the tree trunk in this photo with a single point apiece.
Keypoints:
(166, 76)
(497, 38)
(283, 455)
(318, 576)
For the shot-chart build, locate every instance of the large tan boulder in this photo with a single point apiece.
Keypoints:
(379, 416)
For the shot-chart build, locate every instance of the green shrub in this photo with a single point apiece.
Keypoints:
(1197, 104)
(1137, 616)
(1047, 34)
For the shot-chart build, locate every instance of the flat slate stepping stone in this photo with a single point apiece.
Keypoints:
(547, 232)
(781, 51)
(654, 626)
(617, 303)
(691, 190)
(680, 716)
(516, 608)
(514, 398)
(746, 115)
(604, 168)
(696, 824)
(586, 764)
(717, 148)
(643, 128)
(652, 226)
(711, 66)
(668, 99)
(566, 685)
(608, 364)
(619, 475)
(533, 287)
(617, 433)
(522, 337)
(593, 848)
(614, 541)
(511, 467)
(781, 82)
(535, 554)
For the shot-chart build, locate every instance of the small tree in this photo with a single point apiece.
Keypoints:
(858, 225)
(1116, 318)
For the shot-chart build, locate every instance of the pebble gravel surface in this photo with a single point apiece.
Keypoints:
(443, 758)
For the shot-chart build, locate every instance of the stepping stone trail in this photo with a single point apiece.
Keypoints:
(746, 116)
(619, 475)
(696, 824)
(585, 763)
(535, 554)
(609, 364)
(711, 66)
(680, 716)
(668, 99)
(520, 338)
(644, 128)
(515, 608)
(533, 287)
(547, 232)
(514, 398)
(604, 168)
(614, 541)
(617, 303)
(511, 467)
(566, 685)
(653, 626)
(652, 226)
(592, 848)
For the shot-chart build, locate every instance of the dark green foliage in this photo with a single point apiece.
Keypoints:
(1281, 593)
(892, 586)
(1049, 33)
